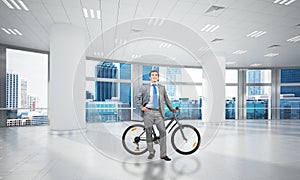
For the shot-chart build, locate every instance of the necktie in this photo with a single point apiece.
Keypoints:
(155, 99)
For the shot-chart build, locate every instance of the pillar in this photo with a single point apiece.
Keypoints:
(213, 86)
(67, 78)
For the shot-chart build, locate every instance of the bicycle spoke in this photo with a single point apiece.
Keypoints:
(134, 139)
(186, 139)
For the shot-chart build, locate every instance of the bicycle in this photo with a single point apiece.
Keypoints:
(185, 138)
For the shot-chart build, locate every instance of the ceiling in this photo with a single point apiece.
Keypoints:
(235, 19)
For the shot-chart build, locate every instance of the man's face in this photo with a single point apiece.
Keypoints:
(154, 77)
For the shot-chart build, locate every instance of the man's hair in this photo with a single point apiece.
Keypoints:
(152, 71)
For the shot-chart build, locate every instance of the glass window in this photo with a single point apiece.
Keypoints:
(103, 104)
(176, 74)
(231, 76)
(290, 95)
(290, 90)
(107, 70)
(101, 69)
(108, 100)
(290, 102)
(231, 102)
(90, 68)
(125, 71)
(258, 76)
(188, 98)
(258, 102)
(290, 75)
(125, 92)
(289, 107)
(26, 89)
(192, 75)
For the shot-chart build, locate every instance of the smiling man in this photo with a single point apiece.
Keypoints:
(150, 99)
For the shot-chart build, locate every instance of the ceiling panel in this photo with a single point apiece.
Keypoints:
(57, 13)
(239, 18)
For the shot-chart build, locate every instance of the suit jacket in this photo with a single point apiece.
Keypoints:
(143, 97)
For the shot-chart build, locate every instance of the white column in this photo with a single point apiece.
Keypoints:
(213, 103)
(136, 74)
(67, 78)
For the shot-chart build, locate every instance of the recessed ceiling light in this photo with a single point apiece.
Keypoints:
(284, 2)
(23, 5)
(91, 13)
(210, 28)
(156, 21)
(18, 32)
(134, 56)
(273, 46)
(98, 53)
(214, 8)
(239, 52)
(217, 40)
(5, 30)
(165, 45)
(12, 31)
(255, 65)
(136, 30)
(173, 58)
(230, 63)
(271, 54)
(294, 39)
(256, 34)
(15, 4)
(120, 41)
(203, 49)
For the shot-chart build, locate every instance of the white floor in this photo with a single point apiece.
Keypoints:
(237, 150)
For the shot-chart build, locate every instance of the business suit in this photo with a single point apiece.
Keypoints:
(143, 98)
(154, 116)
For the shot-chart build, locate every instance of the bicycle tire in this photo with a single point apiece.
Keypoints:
(128, 142)
(194, 145)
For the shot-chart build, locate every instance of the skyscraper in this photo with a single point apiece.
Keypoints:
(12, 90)
(105, 90)
(32, 102)
(173, 75)
(24, 102)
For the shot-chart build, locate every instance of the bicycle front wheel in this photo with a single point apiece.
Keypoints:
(134, 139)
(186, 141)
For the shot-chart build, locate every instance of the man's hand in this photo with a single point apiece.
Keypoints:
(145, 109)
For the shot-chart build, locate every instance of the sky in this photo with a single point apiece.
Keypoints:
(32, 67)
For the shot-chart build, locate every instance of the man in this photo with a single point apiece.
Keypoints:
(150, 99)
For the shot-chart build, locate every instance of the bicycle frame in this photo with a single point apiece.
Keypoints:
(174, 118)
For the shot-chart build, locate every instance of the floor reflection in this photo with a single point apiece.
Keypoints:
(156, 169)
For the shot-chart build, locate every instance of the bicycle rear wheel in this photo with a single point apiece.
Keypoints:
(192, 142)
(134, 139)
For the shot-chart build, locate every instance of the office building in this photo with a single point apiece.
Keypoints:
(32, 102)
(12, 90)
(105, 90)
(24, 102)
(232, 66)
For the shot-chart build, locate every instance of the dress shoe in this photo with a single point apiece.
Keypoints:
(166, 158)
(151, 156)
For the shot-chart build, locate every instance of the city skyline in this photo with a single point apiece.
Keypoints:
(21, 62)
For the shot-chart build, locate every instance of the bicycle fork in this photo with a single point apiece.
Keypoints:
(183, 136)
